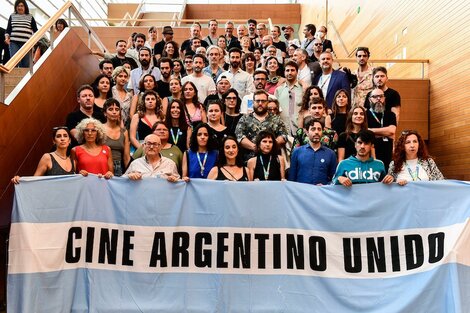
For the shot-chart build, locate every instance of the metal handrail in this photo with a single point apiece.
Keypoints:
(48, 26)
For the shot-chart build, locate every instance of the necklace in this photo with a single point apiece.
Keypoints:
(66, 157)
(414, 175)
(203, 163)
(175, 138)
(265, 170)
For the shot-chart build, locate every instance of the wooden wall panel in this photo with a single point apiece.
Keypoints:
(434, 30)
(279, 13)
(43, 103)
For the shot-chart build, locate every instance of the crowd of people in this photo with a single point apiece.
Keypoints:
(238, 107)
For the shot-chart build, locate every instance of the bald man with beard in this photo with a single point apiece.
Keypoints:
(384, 124)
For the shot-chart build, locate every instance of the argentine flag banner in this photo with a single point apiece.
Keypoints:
(85, 244)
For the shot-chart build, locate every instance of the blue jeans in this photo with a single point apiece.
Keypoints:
(14, 47)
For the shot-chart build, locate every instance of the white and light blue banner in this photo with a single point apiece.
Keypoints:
(84, 244)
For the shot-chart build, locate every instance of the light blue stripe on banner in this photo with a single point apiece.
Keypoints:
(155, 202)
(442, 290)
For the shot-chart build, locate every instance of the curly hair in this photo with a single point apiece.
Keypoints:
(100, 130)
(142, 86)
(399, 154)
(141, 109)
(306, 97)
(176, 54)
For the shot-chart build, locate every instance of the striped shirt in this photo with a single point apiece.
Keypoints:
(21, 27)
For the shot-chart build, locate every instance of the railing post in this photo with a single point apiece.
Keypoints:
(89, 39)
(51, 35)
(30, 56)
(422, 70)
(70, 17)
(2, 87)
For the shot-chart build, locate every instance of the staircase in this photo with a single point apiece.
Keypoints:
(13, 79)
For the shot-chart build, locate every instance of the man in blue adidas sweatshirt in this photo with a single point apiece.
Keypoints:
(361, 168)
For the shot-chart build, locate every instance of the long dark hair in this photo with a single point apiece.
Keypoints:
(399, 154)
(211, 143)
(349, 123)
(96, 91)
(182, 122)
(335, 108)
(176, 54)
(222, 161)
(141, 109)
(195, 97)
(141, 83)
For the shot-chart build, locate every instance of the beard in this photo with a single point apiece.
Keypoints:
(144, 62)
(235, 64)
(378, 107)
(260, 110)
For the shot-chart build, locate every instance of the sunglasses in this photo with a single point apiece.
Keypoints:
(60, 127)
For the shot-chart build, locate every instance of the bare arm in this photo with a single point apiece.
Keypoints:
(133, 131)
(44, 164)
(213, 173)
(127, 155)
(248, 144)
(388, 131)
(280, 141)
(396, 110)
(133, 108)
(341, 153)
(282, 161)
(251, 168)
(328, 121)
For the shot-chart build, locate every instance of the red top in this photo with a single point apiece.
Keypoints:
(94, 164)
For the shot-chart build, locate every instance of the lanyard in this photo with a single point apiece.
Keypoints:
(203, 163)
(175, 139)
(414, 176)
(375, 116)
(265, 170)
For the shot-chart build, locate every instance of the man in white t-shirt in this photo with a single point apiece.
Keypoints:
(204, 84)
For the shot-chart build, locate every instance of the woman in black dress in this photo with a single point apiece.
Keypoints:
(267, 164)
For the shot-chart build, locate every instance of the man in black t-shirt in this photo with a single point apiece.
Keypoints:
(86, 100)
(167, 36)
(392, 97)
(163, 85)
(384, 124)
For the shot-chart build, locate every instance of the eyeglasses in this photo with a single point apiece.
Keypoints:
(152, 144)
(318, 44)
(260, 101)
(377, 96)
(60, 127)
(409, 132)
(89, 130)
(188, 61)
(230, 98)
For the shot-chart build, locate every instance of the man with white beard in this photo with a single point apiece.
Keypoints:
(384, 124)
